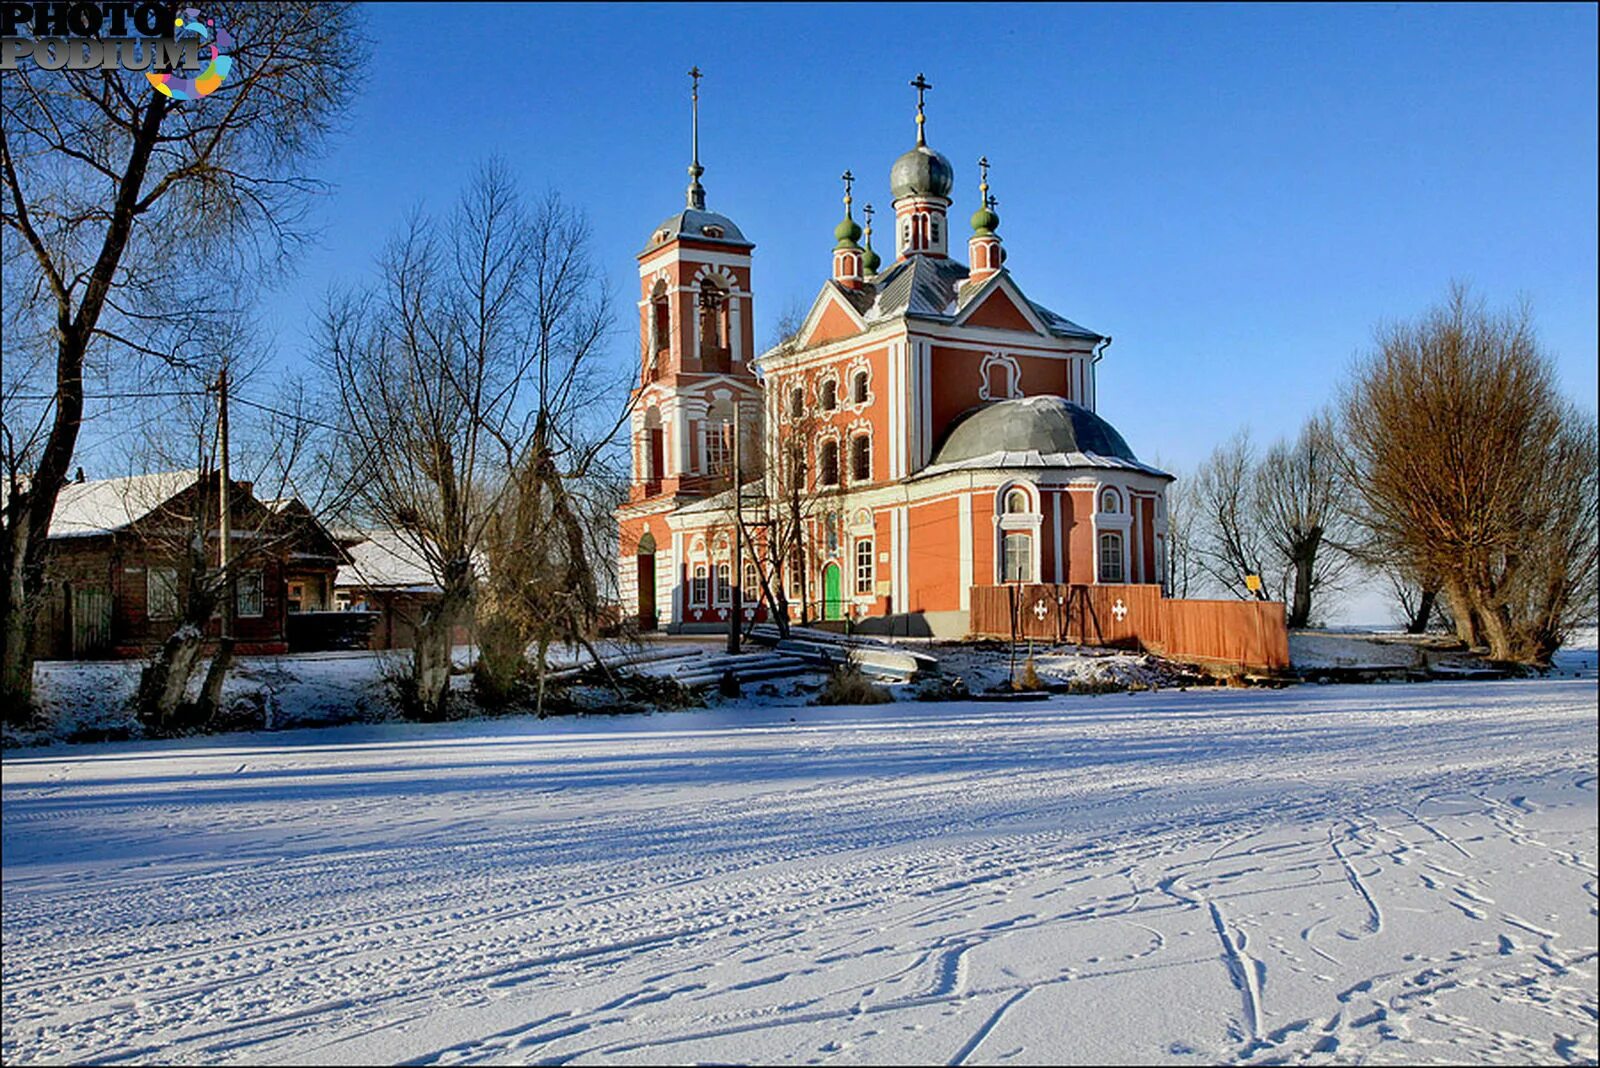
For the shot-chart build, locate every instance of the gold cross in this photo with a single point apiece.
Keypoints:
(694, 72)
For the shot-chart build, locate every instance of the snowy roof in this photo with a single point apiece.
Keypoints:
(87, 509)
(697, 225)
(926, 288)
(1033, 458)
(386, 560)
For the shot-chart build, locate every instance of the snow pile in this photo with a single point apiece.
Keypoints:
(987, 667)
(1311, 649)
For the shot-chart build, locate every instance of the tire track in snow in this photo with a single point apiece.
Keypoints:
(1374, 922)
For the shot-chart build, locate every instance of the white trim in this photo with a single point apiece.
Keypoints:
(671, 253)
(964, 512)
(995, 283)
(1061, 564)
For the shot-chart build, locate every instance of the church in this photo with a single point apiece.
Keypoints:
(926, 431)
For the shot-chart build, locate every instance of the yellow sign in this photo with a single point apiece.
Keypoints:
(1252, 583)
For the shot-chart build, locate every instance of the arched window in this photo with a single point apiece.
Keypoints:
(859, 388)
(752, 584)
(1110, 501)
(797, 403)
(864, 565)
(1017, 502)
(830, 395)
(828, 464)
(713, 325)
(1111, 557)
(661, 326)
(697, 587)
(861, 458)
(1017, 564)
(724, 587)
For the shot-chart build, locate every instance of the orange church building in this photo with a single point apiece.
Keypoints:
(928, 430)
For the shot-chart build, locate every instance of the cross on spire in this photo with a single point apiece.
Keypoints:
(921, 85)
(849, 180)
(696, 192)
(866, 213)
(983, 183)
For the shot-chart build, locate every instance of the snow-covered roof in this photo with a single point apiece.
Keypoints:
(86, 509)
(926, 288)
(386, 560)
(1034, 458)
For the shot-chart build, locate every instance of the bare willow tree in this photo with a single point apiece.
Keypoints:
(1475, 471)
(115, 199)
(467, 380)
(1300, 501)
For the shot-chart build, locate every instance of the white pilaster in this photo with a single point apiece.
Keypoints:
(965, 524)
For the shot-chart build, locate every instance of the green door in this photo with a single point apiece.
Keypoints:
(832, 604)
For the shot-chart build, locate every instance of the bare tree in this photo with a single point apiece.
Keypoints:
(467, 380)
(114, 194)
(1473, 469)
(1229, 541)
(1300, 494)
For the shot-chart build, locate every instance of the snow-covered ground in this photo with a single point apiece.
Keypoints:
(1382, 873)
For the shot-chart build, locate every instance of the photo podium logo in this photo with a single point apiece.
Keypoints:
(183, 54)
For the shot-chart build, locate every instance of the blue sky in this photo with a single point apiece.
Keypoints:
(1236, 194)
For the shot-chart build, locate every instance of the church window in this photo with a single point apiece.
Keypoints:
(797, 403)
(697, 588)
(828, 464)
(905, 234)
(752, 585)
(717, 449)
(830, 522)
(859, 388)
(1111, 556)
(861, 458)
(1110, 501)
(724, 588)
(864, 565)
(1017, 502)
(1017, 562)
(830, 395)
(934, 224)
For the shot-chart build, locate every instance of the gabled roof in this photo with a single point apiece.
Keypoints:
(88, 509)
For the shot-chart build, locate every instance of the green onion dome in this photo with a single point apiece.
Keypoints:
(847, 232)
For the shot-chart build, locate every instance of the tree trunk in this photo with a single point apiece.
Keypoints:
(165, 680)
(16, 663)
(216, 675)
(1418, 623)
(1303, 561)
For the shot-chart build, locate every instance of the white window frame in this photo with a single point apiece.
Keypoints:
(1030, 522)
(866, 577)
(242, 584)
(699, 585)
(1100, 557)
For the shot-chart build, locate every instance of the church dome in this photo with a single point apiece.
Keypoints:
(1043, 424)
(695, 225)
(921, 172)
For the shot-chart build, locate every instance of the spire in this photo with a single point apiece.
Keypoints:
(847, 231)
(921, 85)
(984, 254)
(870, 260)
(697, 192)
(984, 220)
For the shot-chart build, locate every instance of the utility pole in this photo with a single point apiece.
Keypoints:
(225, 517)
(736, 621)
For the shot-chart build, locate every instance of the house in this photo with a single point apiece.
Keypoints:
(119, 571)
(945, 427)
(387, 576)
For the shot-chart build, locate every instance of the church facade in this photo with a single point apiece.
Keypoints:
(927, 430)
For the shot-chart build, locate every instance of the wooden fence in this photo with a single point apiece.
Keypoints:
(1250, 634)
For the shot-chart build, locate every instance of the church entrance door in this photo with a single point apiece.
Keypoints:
(832, 603)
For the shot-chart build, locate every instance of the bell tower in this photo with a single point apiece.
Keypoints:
(696, 343)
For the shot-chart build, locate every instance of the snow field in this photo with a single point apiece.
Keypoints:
(1380, 873)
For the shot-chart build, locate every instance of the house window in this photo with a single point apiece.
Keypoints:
(1017, 563)
(797, 403)
(1110, 501)
(247, 594)
(161, 593)
(864, 565)
(861, 458)
(830, 395)
(858, 388)
(828, 464)
(724, 586)
(1111, 557)
(697, 587)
